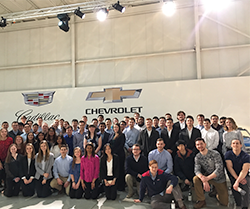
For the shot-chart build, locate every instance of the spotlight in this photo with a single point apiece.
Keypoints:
(169, 8)
(63, 23)
(3, 22)
(119, 7)
(215, 4)
(102, 14)
(79, 13)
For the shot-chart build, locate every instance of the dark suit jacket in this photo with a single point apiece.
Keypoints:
(105, 139)
(24, 171)
(190, 142)
(13, 136)
(148, 143)
(103, 167)
(170, 142)
(177, 126)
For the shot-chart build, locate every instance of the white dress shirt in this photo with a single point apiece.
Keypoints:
(211, 138)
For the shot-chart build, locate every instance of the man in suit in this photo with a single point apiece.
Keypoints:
(180, 124)
(190, 133)
(14, 132)
(105, 135)
(170, 137)
(148, 137)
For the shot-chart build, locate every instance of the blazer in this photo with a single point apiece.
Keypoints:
(12, 168)
(170, 141)
(190, 142)
(103, 167)
(105, 139)
(24, 171)
(48, 165)
(148, 143)
(177, 126)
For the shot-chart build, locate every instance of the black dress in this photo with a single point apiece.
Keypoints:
(117, 146)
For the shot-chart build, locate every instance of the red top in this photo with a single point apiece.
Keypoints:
(4, 146)
(89, 168)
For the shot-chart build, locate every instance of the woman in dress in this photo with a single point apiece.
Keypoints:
(109, 172)
(76, 190)
(231, 132)
(5, 142)
(20, 145)
(94, 139)
(12, 166)
(90, 172)
(43, 162)
(55, 149)
(117, 145)
(28, 171)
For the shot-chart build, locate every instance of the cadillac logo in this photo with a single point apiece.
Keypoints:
(38, 98)
(113, 95)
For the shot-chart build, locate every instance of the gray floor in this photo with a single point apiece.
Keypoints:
(62, 201)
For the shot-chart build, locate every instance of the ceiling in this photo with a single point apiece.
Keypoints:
(19, 10)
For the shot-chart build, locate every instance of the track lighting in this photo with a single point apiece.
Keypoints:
(79, 13)
(63, 23)
(102, 14)
(169, 7)
(3, 22)
(119, 7)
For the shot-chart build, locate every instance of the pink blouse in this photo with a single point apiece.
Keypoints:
(89, 168)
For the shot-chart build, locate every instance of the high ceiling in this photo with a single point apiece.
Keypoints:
(28, 9)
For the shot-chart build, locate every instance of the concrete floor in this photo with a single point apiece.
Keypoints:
(62, 201)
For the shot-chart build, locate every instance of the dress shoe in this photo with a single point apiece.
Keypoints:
(200, 204)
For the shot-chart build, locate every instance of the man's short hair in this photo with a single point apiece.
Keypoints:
(62, 119)
(163, 118)
(170, 119)
(101, 116)
(39, 117)
(155, 117)
(74, 120)
(214, 116)
(26, 124)
(69, 127)
(14, 122)
(132, 119)
(141, 117)
(81, 121)
(223, 118)
(200, 115)
(126, 117)
(152, 162)
(5, 122)
(137, 145)
(123, 122)
(179, 112)
(149, 119)
(35, 124)
(20, 124)
(94, 119)
(23, 117)
(102, 123)
(159, 140)
(107, 119)
(168, 114)
(179, 142)
(190, 117)
(29, 121)
(64, 145)
(236, 139)
(207, 120)
(199, 139)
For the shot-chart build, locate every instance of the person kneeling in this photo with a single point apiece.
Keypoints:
(160, 185)
(61, 171)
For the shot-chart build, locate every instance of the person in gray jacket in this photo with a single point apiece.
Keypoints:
(44, 161)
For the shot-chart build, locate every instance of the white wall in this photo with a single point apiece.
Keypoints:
(139, 46)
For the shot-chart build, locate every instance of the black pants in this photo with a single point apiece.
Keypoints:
(161, 202)
(76, 193)
(43, 190)
(28, 190)
(111, 191)
(89, 193)
(2, 175)
(121, 178)
(12, 187)
(242, 201)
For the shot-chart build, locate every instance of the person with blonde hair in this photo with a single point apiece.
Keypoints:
(43, 162)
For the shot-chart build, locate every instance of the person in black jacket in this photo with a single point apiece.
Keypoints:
(14, 132)
(184, 164)
(109, 172)
(136, 165)
(105, 135)
(117, 146)
(28, 171)
(189, 134)
(12, 165)
(147, 138)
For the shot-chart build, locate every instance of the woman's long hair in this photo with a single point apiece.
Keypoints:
(235, 127)
(119, 131)
(40, 152)
(33, 150)
(8, 158)
(93, 149)
(27, 140)
(104, 155)
(54, 137)
(74, 157)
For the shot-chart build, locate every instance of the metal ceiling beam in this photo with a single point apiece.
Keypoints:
(5, 8)
(32, 4)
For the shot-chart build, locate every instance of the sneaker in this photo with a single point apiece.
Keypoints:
(200, 204)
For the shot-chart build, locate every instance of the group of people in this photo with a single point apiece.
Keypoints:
(161, 158)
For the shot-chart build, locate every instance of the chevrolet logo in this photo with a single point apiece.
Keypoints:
(113, 95)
